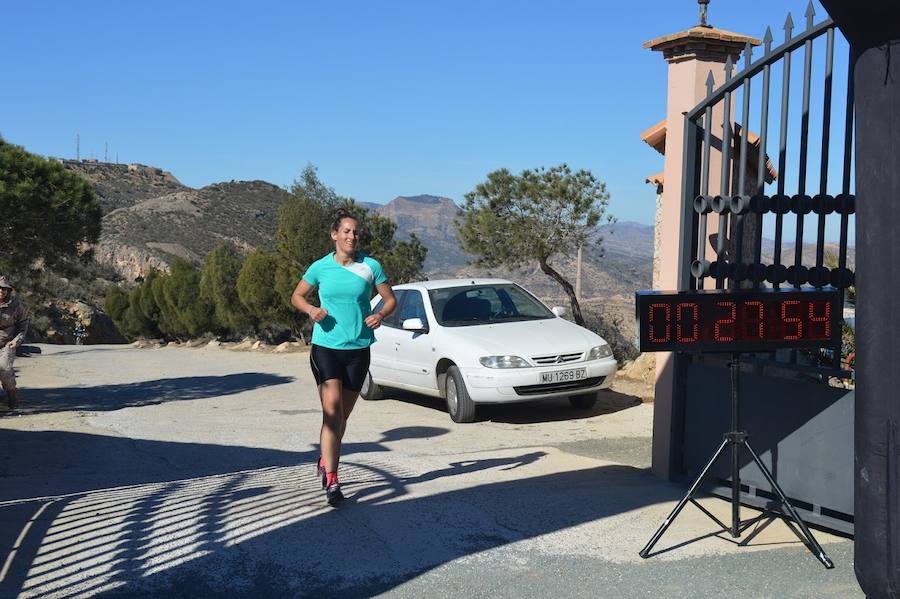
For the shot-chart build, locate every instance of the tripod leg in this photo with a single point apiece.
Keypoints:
(812, 544)
(708, 513)
(735, 529)
(645, 552)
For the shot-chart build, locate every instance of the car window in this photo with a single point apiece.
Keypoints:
(485, 304)
(393, 320)
(523, 303)
(412, 306)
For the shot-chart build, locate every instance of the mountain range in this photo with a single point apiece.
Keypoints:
(149, 217)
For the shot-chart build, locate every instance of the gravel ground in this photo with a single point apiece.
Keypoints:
(188, 472)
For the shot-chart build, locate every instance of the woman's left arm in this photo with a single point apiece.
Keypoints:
(373, 321)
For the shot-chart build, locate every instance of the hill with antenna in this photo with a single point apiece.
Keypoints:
(150, 218)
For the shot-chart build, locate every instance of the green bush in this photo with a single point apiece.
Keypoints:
(135, 322)
(116, 304)
(218, 287)
(187, 313)
(257, 292)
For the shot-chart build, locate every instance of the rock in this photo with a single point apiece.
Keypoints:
(74, 322)
(98, 326)
(245, 344)
(147, 343)
(288, 347)
(256, 345)
(132, 263)
(198, 342)
(643, 368)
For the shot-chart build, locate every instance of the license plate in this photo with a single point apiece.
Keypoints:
(564, 376)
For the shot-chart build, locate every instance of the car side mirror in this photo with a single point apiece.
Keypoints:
(413, 324)
(558, 310)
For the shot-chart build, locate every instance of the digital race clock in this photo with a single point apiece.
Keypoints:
(718, 320)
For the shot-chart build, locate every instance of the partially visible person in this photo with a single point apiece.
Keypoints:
(13, 326)
(342, 334)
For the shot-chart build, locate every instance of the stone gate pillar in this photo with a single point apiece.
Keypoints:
(691, 56)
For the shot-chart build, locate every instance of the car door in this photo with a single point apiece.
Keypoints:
(414, 363)
(384, 350)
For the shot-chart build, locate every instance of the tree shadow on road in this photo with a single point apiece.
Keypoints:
(126, 395)
(91, 513)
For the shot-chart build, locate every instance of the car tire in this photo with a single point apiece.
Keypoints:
(370, 389)
(459, 404)
(583, 402)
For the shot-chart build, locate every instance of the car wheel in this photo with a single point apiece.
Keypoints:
(459, 404)
(583, 402)
(370, 389)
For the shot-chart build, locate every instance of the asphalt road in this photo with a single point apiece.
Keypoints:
(189, 473)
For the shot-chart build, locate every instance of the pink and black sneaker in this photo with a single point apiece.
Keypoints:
(320, 472)
(333, 494)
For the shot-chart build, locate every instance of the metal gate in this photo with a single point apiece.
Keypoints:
(779, 221)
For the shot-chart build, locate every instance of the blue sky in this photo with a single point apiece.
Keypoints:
(385, 99)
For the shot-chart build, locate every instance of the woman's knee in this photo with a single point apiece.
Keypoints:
(331, 398)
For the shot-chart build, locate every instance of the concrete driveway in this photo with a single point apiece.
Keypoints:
(189, 473)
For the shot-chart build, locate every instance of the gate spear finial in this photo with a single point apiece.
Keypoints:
(703, 12)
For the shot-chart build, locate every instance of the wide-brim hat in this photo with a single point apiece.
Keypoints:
(6, 282)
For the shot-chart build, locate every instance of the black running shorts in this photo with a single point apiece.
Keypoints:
(348, 365)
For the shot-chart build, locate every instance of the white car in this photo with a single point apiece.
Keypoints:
(481, 341)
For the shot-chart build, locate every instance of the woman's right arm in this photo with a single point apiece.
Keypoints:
(298, 300)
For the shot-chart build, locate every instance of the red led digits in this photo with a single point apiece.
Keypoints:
(754, 317)
(737, 320)
(693, 314)
(722, 329)
(791, 320)
(815, 320)
(667, 310)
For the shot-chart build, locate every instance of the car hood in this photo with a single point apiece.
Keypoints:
(527, 338)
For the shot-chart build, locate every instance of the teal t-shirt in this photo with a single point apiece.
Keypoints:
(345, 292)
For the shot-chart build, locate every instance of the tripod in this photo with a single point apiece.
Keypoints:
(736, 439)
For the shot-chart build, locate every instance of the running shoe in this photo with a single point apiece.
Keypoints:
(320, 472)
(333, 494)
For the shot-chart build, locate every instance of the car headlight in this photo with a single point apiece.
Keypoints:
(601, 351)
(504, 362)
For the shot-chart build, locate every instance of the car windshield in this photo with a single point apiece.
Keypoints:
(485, 304)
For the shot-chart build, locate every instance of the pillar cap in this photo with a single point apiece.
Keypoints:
(703, 43)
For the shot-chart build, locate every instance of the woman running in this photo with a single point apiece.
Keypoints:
(342, 334)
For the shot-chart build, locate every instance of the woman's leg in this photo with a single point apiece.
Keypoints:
(333, 423)
(348, 400)
(357, 368)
